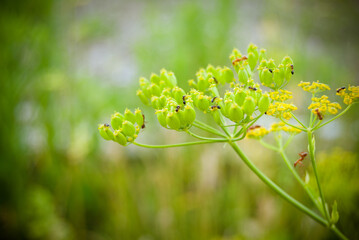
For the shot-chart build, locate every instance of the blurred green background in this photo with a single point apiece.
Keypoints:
(67, 65)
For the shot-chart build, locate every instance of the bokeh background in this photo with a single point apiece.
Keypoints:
(65, 66)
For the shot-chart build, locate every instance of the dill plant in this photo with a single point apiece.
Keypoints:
(236, 101)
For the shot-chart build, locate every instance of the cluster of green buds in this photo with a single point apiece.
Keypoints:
(125, 127)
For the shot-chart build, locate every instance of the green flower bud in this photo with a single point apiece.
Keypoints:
(266, 77)
(162, 101)
(173, 121)
(287, 60)
(263, 103)
(262, 54)
(143, 97)
(263, 63)
(164, 78)
(227, 75)
(202, 84)
(103, 129)
(155, 90)
(270, 64)
(155, 79)
(161, 116)
(116, 120)
(243, 76)
(239, 96)
(235, 113)
(189, 114)
(155, 102)
(139, 117)
(252, 60)
(119, 137)
(203, 102)
(178, 94)
(281, 71)
(128, 128)
(288, 72)
(277, 78)
(172, 79)
(216, 115)
(249, 106)
(252, 48)
(129, 116)
(144, 85)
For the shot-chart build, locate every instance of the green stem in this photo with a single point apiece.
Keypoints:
(276, 188)
(178, 144)
(205, 138)
(311, 148)
(338, 232)
(269, 146)
(301, 129)
(340, 114)
(298, 121)
(207, 128)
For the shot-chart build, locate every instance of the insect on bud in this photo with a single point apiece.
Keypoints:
(263, 103)
(266, 77)
(116, 120)
(173, 121)
(249, 106)
(119, 137)
(128, 128)
(178, 94)
(103, 130)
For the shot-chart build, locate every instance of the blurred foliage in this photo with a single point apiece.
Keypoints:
(59, 180)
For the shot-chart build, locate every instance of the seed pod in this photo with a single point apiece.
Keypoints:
(173, 121)
(239, 96)
(249, 106)
(155, 102)
(119, 137)
(161, 116)
(277, 78)
(178, 93)
(263, 103)
(139, 117)
(235, 113)
(102, 128)
(262, 54)
(129, 116)
(287, 60)
(252, 60)
(189, 114)
(143, 97)
(202, 84)
(116, 120)
(172, 79)
(266, 77)
(203, 102)
(155, 90)
(155, 79)
(227, 75)
(243, 76)
(128, 128)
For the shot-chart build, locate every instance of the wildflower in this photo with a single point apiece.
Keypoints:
(315, 87)
(281, 109)
(323, 105)
(280, 126)
(281, 95)
(257, 132)
(352, 96)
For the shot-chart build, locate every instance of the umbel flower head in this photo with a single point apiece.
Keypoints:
(349, 97)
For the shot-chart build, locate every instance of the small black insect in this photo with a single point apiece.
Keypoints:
(178, 108)
(252, 88)
(106, 125)
(292, 67)
(265, 113)
(270, 70)
(215, 80)
(213, 99)
(340, 89)
(215, 106)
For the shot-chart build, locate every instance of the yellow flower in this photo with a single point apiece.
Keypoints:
(281, 95)
(276, 127)
(323, 105)
(281, 109)
(257, 132)
(349, 97)
(314, 87)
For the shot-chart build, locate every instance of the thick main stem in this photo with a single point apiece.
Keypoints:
(276, 188)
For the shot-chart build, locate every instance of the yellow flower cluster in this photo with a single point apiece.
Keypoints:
(276, 127)
(323, 105)
(281, 95)
(314, 87)
(281, 109)
(349, 98)
(257, 132)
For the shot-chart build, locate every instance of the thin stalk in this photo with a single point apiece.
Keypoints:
(301, 129)
(276, 188)
(204, 138)
(269, 146)
(178, 144)
(340, 114)
(298, 121)
(338, 232)
(311, 148)
(207, 128)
